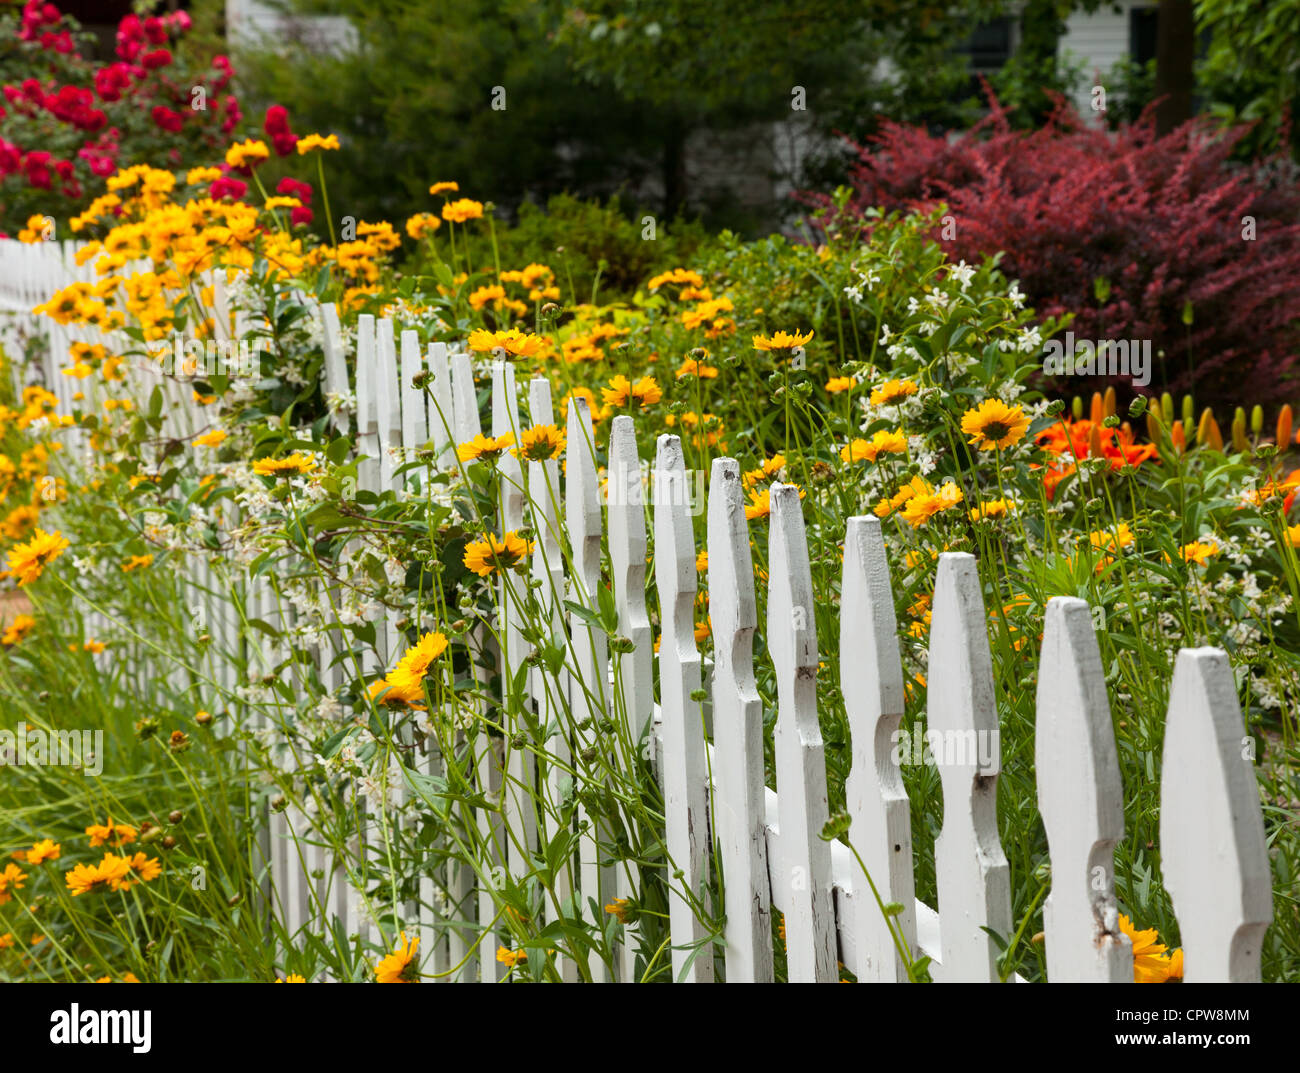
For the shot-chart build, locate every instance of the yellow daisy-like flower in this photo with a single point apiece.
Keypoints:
(618, 908)
(27, 561)
(993, 508)
(401, 966)
(769, 469)
(836, 384)
(781, 340)
(458, 212)
(294, 978)
(485, 556)
(137, 562)
(12, 878)
(993, 425)
(542, 442)
(760, 503)
(445, 188)
(316, 141)
(883, 442)
(200, 175)
(702, 562)
(1198, 551)
(44, 850)
(248, 153)
(677, 275)
(109, 874)
(215, 438)
(281, 467)
(1293, 535)
(919, 509)
(510, 958)
(410, 695)
(623, 393)
(514, 342)
(1151, 962)
(892, 391)
(109, 833)
(691, 367)
(21, 626)
(484, 447)
(408, 676)
(1106, 540)
(93, 646)
(421, 224)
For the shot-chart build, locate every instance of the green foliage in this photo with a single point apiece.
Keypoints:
(1251, 72)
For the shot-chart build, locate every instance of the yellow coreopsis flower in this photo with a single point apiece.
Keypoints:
(247, 153)
(215, 438)
(458, 212)
(514, 342)
(511, 958)
(993, 508)
(883, 442)
(280, 467)
(836, 384)
(483, 557)
(993, 425)
(919, 509)
(445, 188)
(623, 393)
(27, 561)
(760, 503)
(44, 850)
(11, 879)
(401, 966)
(408, 676)
(892, 391)
(484, 447)
(19, 628)
(1151, 962)
(541, 442)
(316, 141)
(422, 224)
(781, 340)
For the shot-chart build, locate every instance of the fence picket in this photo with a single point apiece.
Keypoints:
(442, 412)
(1212, 845)
(871, 679)
(971, 871)
(738, 808)
(588, 685)
(1081, 800)
(685, 774)
(800, 754)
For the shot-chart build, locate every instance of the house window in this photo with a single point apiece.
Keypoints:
(1142, 34)
(989, 46)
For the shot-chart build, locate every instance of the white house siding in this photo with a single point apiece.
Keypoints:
(1098, 41)
(251, 22)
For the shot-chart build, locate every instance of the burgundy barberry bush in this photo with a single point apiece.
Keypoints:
(1132, 233)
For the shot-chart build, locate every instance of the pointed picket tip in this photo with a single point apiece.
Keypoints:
(414, 428)
(442, 408)
(960, 690)
(791, 623)
(1081, 799)
(731, 564)
(464, 397)
(1213, 850)
(367, 375)
(582, 489)
(870, 666)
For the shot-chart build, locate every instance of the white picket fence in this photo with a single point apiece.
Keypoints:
(718, 806)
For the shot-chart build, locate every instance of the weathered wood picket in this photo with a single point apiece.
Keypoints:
(768, 841)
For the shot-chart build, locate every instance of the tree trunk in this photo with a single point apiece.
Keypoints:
(1175, 57)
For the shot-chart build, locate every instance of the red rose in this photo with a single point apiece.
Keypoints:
(301, 215)
(291, 187)
(234, 189)
(166, 119)
(154, 30)
(159, 57)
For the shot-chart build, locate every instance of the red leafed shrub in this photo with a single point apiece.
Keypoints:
(1134, 234)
